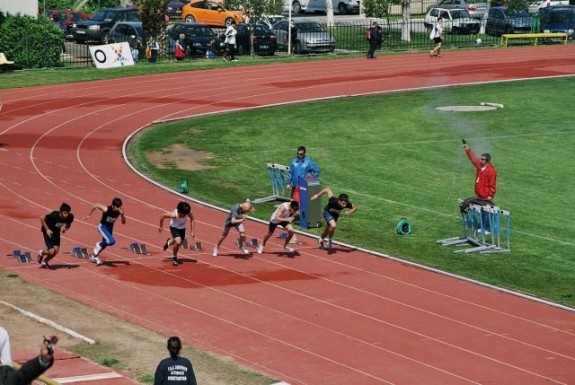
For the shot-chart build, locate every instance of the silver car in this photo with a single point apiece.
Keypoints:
(311, 37)
(476, 9)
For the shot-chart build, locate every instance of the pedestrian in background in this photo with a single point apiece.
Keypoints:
(230, 42)
(106, 226)
(152, 50)
(175, 370)
(293, 36)
(374, 39)
(53, 224)
(437, 36)
(178, 220)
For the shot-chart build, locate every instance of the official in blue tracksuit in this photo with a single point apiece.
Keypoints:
(301, 166)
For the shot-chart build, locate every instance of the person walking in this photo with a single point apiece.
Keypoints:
(31, 369)
(152, 50)
(236, 218)
(437, 37)
(175, 370)
(331, 213)
(106, 226)
(485, 185)
(283, 216)
(178, 219)
(293, 36)
(53, 224)
(374, 39)
(230, 42)
(301, 166)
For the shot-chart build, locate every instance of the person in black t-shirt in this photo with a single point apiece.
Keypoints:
(52, 224)
(331, 213)
(106, 226)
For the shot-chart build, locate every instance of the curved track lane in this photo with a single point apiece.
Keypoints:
(343, 318)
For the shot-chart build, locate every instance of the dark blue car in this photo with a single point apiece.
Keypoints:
(558, 19)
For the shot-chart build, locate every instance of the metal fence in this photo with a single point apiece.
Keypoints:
(349, 37)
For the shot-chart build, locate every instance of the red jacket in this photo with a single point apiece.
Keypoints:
(485, 179)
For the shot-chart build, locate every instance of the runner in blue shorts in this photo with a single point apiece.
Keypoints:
(106, 226)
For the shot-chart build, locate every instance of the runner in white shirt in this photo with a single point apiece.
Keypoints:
(283, 216)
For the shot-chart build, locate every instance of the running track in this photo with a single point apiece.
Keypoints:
(346, 318)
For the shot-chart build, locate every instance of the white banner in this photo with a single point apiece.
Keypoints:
(112, 55)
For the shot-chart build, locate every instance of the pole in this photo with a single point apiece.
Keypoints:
(289, 28)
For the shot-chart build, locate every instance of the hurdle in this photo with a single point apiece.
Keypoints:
(474, 222)
(278, 174)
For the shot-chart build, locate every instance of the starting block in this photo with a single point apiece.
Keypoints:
(196, 246)
(253, 243)
(81, 252)
(139, 248)
(25, 257)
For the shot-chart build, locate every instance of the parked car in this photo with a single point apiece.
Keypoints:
(264, 40)
(198, 37)
(67, 17)
(123, 31)
(455, 21)
(342, 7)
(558, 19)
(97, 28)
(210, 13)
(174, 9)
(311, 37)
(477, 10)
(502, 20)
(536, 5)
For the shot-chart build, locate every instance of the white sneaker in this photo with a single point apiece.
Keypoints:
(289, 248)
(244, 250)
(320, 242)
(96, 260)
(97, 249)
(260, 249)
(215, 252)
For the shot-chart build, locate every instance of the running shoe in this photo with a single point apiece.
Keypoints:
(289, 248)
(244, 250)
(215, 252)
(45, 265)
(175, 261)
(97, 249)
(320, 242)
(40, 256)
(167, 244)
(260, 249)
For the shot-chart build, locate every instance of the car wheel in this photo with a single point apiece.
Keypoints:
(342, 8)
(298, 48)
(190, 19)
(229, 21)
(296, 7)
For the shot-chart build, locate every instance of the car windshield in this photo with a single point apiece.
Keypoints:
(199, 31)
(102, 16)
(460, 14)
(562, 16)
(516, 13)
(260, 29)
(310, 27)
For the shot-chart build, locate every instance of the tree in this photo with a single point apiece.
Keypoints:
(153, 15)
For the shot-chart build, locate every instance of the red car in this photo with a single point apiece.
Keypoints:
(67, 17)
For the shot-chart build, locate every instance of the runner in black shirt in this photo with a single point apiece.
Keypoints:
(52, 224)
(331, 213)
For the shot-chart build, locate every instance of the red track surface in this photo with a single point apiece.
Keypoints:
(346, 318)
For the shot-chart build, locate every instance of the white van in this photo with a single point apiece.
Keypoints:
(339, 6)
(537, 4)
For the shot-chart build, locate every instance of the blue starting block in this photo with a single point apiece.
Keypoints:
(23, 257)
(139, 248)
(80, 252)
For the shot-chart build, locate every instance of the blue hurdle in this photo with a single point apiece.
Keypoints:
(278, 176)
(474, 222)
